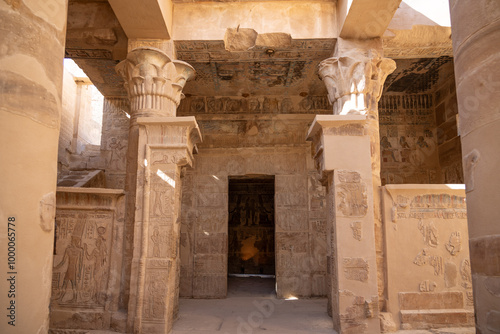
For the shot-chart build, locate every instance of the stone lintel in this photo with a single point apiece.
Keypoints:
(97, 191)
(149, 19)
(363, 19)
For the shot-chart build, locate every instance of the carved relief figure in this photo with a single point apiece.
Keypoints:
(387, 149)
(73, 255)
(352, 199)
(99, 258)
(465, 273)
(429, 232)
(433, 260)
(117, 158)
(356, 230)
(454, 245)
(156, 238)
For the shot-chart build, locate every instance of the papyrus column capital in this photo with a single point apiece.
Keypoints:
(154, 81)
(355, 79)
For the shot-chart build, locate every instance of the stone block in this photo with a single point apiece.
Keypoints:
(210, 243)
(291, 220)
(429, 301)
(425, 319)
(210, 286)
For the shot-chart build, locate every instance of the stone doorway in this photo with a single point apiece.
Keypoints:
(251, 227)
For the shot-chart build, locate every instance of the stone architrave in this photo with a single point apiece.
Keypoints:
(159, 145)
(341, 150)
(355, 78)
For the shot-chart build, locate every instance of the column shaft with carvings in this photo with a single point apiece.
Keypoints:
(354, 78)
(476, 50)
(160, 144)
(352, 269)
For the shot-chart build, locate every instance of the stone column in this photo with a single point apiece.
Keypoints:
(31, 70)
(355, 78)
(159, 145)
(341, 149)
(476, 48)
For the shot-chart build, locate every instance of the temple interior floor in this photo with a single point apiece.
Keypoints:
(251, 307)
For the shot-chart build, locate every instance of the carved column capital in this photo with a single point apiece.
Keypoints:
(154, 81)
(355, 80)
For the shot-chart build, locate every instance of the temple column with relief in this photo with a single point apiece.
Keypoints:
(355, 78)
(351, 257)
(160, 144)
(476, 48)
(32, 39)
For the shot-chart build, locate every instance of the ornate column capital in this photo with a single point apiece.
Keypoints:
(355, 80)
(154, 81)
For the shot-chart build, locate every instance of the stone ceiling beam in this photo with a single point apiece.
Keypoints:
(145, 18)
(363, 19)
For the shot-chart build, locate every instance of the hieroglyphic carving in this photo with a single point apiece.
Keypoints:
(355, 269)
(427, 286)
(162, 197)
(429, 232)
(434, 261)
(430, 206)
(82, 258)
(465, 273)
(346, 130)
(155, 294)
(88, 54)
(351, 194)
(454, 245)
(269, 105)
(357, 231)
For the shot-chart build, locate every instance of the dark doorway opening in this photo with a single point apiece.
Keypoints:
(251, 226)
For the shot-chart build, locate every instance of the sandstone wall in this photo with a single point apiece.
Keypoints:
(408, 141)
(429, 281)
(248, 145)
(87, 259)
(67, 120)
(449, 146)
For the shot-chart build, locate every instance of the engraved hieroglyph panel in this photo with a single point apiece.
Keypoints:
(425, 227)
(82, 259)
(155, 294)
(291, 220)
(355, 269)
(351, 194)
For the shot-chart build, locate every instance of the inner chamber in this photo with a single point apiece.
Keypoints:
(251, 226)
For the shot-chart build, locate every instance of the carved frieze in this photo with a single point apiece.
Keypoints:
(259, 105)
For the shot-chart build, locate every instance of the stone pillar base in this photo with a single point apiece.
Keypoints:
(341, 149)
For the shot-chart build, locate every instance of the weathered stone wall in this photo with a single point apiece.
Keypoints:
(408, 141)
(67, 120)
(90, 122)
(114, 141)
(87, 259)
(449, 147)
(429, 282)
(246, 145)
(31, 73)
